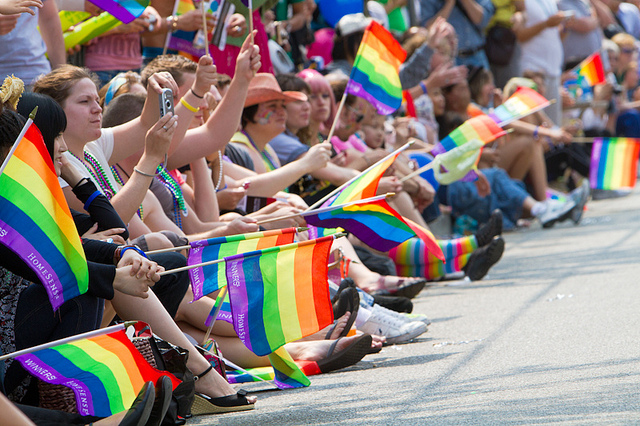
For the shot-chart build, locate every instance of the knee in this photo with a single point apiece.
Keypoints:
(152, 241)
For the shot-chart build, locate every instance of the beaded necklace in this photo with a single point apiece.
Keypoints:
(118, 178)
(179, 206)
(266, 158)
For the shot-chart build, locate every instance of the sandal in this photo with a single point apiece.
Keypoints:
(346, 357)
(204, 404)
(348, 301)
(407, 287)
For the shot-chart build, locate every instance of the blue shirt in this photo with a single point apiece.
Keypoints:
(629, 15)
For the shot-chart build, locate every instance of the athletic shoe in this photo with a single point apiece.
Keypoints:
(394, 329)
(580, 196)
(490, 229)
(557, 211)
(402, 316)
(483, 258)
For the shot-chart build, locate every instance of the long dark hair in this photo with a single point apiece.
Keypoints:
(50, 118)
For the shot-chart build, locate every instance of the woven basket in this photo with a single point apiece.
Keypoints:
(62, 398)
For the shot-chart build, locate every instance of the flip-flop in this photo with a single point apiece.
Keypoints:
(349, 301)
(346, 357)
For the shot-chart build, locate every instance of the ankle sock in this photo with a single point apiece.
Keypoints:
(538, 209)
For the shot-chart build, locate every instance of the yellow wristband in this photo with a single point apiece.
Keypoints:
(188, 106)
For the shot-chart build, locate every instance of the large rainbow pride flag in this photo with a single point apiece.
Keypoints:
(209, 278)
(279, 294)
(374, 75)
(35, 221)
(614, 163)
(105, 372)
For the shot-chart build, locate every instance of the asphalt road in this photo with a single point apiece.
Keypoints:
(551, 335)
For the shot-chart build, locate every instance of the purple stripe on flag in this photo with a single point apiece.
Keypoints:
(46, 373)
(238, 298)
(596, 151)
(196, 274)
(125, 13)
(356, 88)
(16, 242)
(186, 46)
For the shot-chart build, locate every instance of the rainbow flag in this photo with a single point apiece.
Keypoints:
(614, 163)
(35, 221)
(374, 75)
(210, 278)
(374, 222)
(523, 102)
(123, 10)
(591, 70)
(481, 127)
(105, 372)
(289, 295)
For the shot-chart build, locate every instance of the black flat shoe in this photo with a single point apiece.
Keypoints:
(139, 412)
(164, 391)
(203, 404)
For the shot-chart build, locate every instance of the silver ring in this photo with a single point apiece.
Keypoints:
(109, 240)
(164, 128)
(236, 28)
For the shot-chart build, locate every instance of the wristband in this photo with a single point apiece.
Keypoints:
(187, 105)
(196, 95)
(535, 132)
(90, 199)
(423, 87)
(134, 248)
(173, 22)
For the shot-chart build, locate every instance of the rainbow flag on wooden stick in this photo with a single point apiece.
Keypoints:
(523, 102)
(210, 278)
(481, 127)
(614, 163)
(279, 294)
(591, 70)
(35, 221)
(374, 75)
(105, 371)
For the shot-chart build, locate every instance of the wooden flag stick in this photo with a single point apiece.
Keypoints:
(204, 28)
(186, 268)
(336, 117)
(417, 172)
(216, 311)
(250, 6)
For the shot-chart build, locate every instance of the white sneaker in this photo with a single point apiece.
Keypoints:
(394, 329)
(556, 211)
(402, 315)
(580, 196)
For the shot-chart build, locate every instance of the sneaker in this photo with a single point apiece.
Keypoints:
(482, 259)
(557, 211)
(580, 196)
(491, 229)
(403, 316)
(394, 329)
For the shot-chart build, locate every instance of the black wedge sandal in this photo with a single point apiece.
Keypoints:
(203, 404)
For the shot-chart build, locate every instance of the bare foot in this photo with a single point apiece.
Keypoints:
(376, 341)
(317, 349)
(338, 328)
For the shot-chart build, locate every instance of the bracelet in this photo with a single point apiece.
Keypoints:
(164, 165)
(196, 95)
(220, 174)
(173, 21)
(423, 87)
(91, 198)
(187, 105)
(134, 248)
(135, 169)
(535, 133)
(222, 189)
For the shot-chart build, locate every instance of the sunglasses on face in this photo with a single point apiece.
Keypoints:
(358, 116)
(628, 50)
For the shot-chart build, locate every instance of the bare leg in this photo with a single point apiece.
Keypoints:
(515, 156)
(538, 173)
(403, 203)
(11, 416)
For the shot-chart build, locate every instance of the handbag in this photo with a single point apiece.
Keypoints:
(500, 43)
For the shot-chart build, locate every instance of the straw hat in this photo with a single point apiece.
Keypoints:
(265, 88)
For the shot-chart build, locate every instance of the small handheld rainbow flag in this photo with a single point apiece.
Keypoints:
(481, 127)
(105, 371)
(209, 278)
(523, 102)
(374, 75)
(372, 220)
(279, 294)
(591, 70)
(35, 221)
(123, 10)
(614, 163)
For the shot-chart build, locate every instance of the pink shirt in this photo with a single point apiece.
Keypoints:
(114, 52)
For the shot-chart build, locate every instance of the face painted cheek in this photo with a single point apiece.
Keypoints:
(265, 117)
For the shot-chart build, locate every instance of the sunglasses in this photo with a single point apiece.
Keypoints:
(628, 50)
(358, 115)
